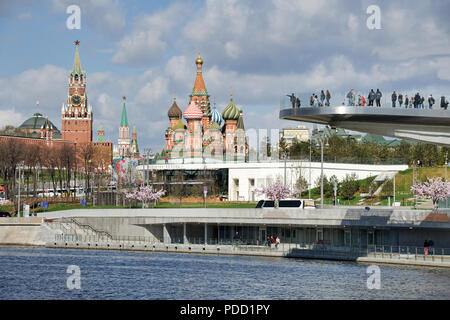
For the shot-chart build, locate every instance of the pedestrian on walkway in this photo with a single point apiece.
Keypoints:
(425, 247)
(431, 101)
(350, 97)
(371, 97)
(406, 101)
(322, 97)
(328, 97)
(378, 96)
(277, 242)
(311, 100)
(394, 99)
(400, 99)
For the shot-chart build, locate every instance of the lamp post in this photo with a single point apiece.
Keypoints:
(310, 163)
(321, 139)
(18, 198)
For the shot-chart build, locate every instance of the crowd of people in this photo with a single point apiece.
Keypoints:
(273, 241)
(416, 101)
(323, 99)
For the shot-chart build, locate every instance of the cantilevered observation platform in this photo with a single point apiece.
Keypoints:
(431, 126)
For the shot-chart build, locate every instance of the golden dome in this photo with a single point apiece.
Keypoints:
(199, 59)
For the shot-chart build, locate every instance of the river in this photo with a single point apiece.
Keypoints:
(41, 273)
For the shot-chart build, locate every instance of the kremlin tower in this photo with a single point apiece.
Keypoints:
(77, 114)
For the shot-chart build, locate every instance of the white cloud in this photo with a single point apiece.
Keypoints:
(11, 117)
(148, 41)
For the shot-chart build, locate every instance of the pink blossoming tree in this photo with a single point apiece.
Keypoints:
(436, 189)
(276, 191)
(146, 195)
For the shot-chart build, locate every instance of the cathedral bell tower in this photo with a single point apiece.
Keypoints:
(77, 114)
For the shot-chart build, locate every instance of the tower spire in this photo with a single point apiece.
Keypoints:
(124, 121)
(76, 61)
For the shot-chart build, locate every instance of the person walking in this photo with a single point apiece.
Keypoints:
(442, 102)
(359, 100)
(363, 101)
(328, 97)
(350, 97)
(316, 101)
(431, 101)
(378, 96)
(394, 99)
(422, 102)
(406, 101)
(311, 100)
(371, 97)
(292, 98)
(277, 242)
(322, 97)
(400, 99)
(417, 100)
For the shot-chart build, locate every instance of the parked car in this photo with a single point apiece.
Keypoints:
(4, 214)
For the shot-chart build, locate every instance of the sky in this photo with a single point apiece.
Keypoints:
(258, 50)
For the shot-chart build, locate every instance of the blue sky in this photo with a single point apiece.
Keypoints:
(260, 50)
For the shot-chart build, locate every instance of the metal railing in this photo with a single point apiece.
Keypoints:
(300, 248)
(385, 101)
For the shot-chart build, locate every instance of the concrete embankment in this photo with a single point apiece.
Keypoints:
(261, 251)
(25, 231)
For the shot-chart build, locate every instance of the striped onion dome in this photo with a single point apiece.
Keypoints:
(193, 111)
(174, 111)
(216, 117)
(231, 112)
(179, 125)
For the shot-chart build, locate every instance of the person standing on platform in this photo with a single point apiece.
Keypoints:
(328, 97)
(394, 99)
(371, 97)
(400, 99)
(322, 97)
(378, 96)
(406, 101)
(430, 101)
(417, 101)
(425, 247)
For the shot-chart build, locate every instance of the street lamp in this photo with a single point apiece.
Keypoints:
(321, 139)
(18, 198)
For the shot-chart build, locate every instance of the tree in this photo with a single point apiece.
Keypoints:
(146, 195)
(349, 186)
(276, 191)
(436, 189)
(301, 185)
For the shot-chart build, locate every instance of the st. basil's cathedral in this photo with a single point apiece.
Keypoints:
(208, 135)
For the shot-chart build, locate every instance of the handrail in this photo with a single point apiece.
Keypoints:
(90, 227)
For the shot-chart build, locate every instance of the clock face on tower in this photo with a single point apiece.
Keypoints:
(76, 100)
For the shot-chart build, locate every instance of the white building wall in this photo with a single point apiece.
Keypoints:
(265, 173)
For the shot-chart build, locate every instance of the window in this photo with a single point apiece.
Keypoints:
(76, 77)
(269, 204)
(290, 203)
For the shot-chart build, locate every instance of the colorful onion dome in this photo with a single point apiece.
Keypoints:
(231, 112)
(214, 126)
(199, 59)
(216, 117)
(193, 111)
(179, 125)
(174, 111)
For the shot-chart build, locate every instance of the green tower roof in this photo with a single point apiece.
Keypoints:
(124, 121)
(76, 61)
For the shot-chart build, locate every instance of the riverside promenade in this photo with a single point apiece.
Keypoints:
(382, 235)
